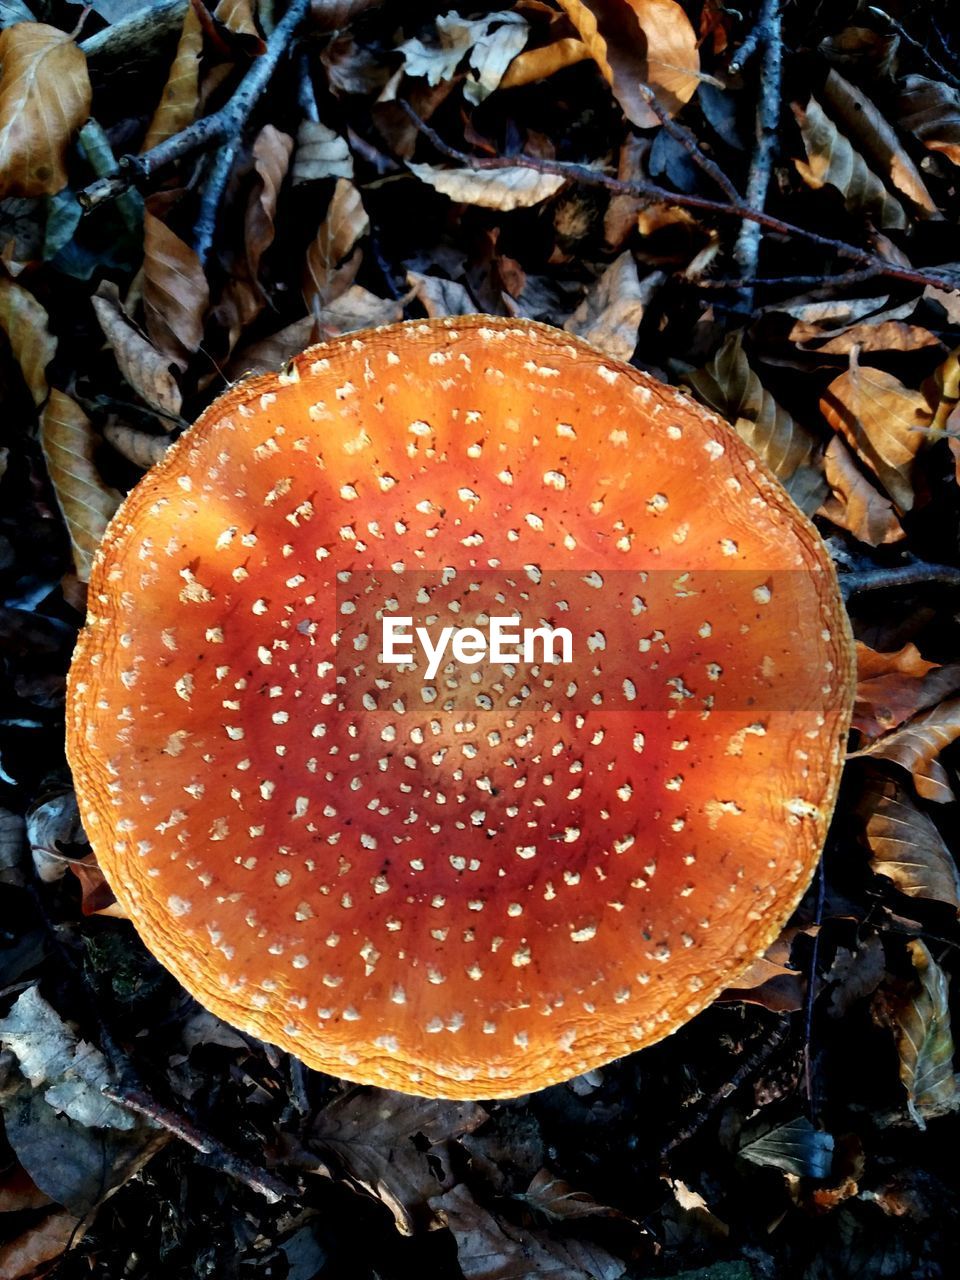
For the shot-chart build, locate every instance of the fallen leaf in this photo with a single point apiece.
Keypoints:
(930, 111)
(855, 504)
(237, 16)
(729, 385)
(917, 744)
(833, 161)
(925, 1040)
(86, 502)
(382, 1140)
(52, 822)
(538, 64)
(882, 421)
(441, 297)
(175, 292)
(489, 44)
(19, 1191)
(45, 97)
(637, 44)
(620, 217)
(332, 259)
(42, 1242)
(266, 355)
(504, 189)
(906, 846)
(888, 335)
(610, 314)
(320, 153)
(891, 687)
(796, 1147)
(143, 367)
(557, 1200)
(181, 93)
(855, 974)
(139, 447)
(863, 123)
(26, 324)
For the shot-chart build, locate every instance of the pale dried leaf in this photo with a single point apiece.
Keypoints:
(144, 368)
(139, 447)
(729, 385)
(320, 153)
(931, 112)
(833, 161)
(504, 189)
(892, 687)
(378, 1137)
(917, 744)
(883, 421)
(925, 1040)
(45, 97)
(53, 822)
(488, 1249)
(492, 54)
(326, 273)
(888, 335)
(907, 848)
(538, 64)
(559, 1201)
(44, 1241)
(610, 314)
(237, 16)
(181, 93)
(489, 43)
(26, 325)
(637, 43)
(85, 501)
(441, 297)
(861, 121)
(855, 505)
(796, 1147)
(175, 292)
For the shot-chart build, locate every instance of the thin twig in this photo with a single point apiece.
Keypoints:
(205, 228)
(262, 1181)
(747, 250)
(222, 126)
(811, 992)
(649, 191)
(680, 133)
(921, 49)
(904, 575)
(742, 282)
(136, 32)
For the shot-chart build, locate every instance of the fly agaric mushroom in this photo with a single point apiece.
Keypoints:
(485, 883)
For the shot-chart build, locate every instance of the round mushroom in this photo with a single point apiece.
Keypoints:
(486, 880)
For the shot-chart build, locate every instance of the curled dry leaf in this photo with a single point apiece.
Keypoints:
(503, 189)
(85, 501)
(610, 314)
(833, 161)
(439, 296)
(906, 846)
(332, 258)
(861, 121)
(237, 16)
(855, 504)
(728, 385)
(489, 44)
(557, 1200)
(139, 447)
(637, 44)
(925, 1040)
(891, 687)
(144, 368)
(931, 112)
(917, 744)
(883, 422)
(538, 64)
(26, 325)
(175, 292)
(320, 153)
(181, 93)
(45, 97)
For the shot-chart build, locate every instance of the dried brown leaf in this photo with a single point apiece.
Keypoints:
(559, 1201)
(883, 421)
(503, 189)
(931, 112)
(538, 64)
(488, 44)
(139, 447)
(862, 122)
(181, 93)
(439, 296)
(906, 846)
(855, 504)
(26, 325)
(917, 744)
(925, 1040)
(610, 314)
(237, 16)
(637, 43)
(144, 368)
(892, 687)
(175, 292)
(320, 153)
(45, 97)
(833, 161)
(332, 258)
(888, 335)
(25, 1254)
(729, 385)
(86, 502)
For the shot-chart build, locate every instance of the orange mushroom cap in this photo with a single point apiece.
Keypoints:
(483, 883)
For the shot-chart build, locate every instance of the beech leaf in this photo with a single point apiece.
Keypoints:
(181, 93)
(237, 16)
(891, 687)
(45, 97)
(144, 368)
(538, 64)
(557, 1200)
(326, 273)
(638, 43)
(728, 385)
(925, 1040)
(906, 846)
(833, 161)
(917, 744)
(931, 112)
(86, 502)
(610, 314)
(320, 153)
(855, 504)
(503, 189)
(25, 323)
(796, 1147)
(175, 291)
